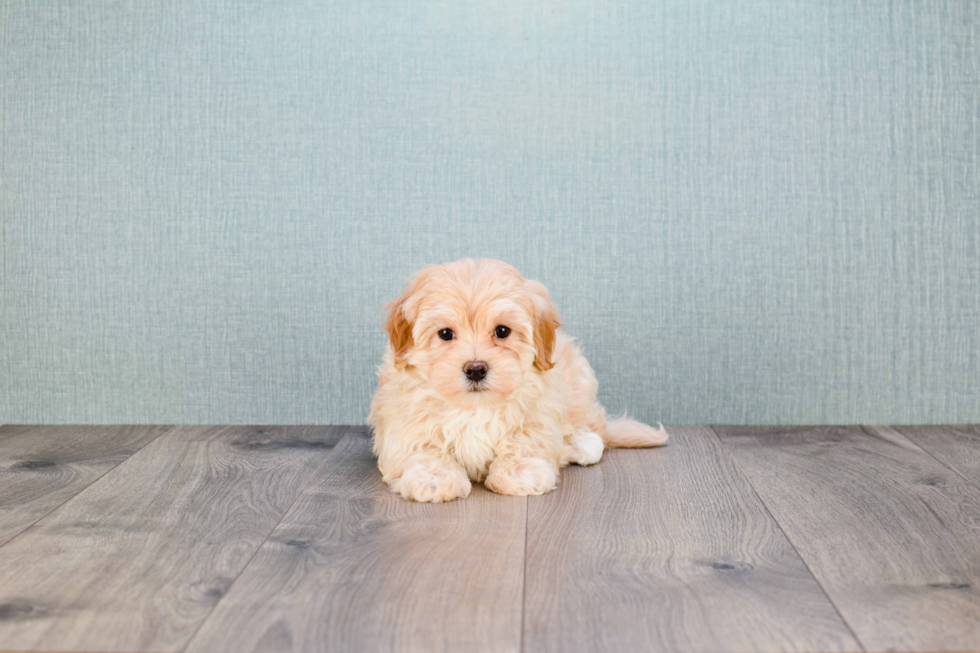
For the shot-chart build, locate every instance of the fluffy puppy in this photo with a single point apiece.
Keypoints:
(479, 385)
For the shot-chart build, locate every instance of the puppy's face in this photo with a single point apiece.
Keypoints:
(475, 330)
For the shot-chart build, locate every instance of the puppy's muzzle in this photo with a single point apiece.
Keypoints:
(475, 371)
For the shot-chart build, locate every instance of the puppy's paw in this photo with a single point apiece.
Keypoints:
(585, 448)
(522, 477)
(431, 484)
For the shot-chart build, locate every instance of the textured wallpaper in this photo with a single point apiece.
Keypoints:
(753, 211)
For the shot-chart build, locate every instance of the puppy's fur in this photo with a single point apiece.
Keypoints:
(436, 430)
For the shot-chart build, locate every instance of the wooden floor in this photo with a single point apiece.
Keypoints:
(768, 539)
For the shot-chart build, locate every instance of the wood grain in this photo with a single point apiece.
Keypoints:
(137, 560)
(892, 535)
(671, 550)
(352, 567)
(41, 467)
(957, 447)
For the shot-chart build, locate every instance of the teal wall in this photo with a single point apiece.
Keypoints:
(751, 211)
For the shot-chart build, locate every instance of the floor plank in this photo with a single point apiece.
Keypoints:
(669, 550)
(352, 567)
(957, 447)
(892, 535)
(137, 560)
(41, 467)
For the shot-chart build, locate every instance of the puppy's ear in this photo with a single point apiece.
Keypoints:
(546, 321)
(399, 329)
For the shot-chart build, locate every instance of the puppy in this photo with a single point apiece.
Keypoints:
(478, 384)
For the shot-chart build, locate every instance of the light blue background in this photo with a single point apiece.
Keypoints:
(752, 211)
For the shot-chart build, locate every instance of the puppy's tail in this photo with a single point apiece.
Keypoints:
(623, 433)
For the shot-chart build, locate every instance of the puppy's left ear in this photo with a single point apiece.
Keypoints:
(546, 322)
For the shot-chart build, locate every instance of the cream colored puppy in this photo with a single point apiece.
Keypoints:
(478, 385)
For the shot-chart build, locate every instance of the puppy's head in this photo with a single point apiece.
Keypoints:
(475, 329)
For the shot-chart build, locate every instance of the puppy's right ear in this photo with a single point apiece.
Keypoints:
(399, 329)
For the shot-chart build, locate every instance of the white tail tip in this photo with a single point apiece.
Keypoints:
(625, 433)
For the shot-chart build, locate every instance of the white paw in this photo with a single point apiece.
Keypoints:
(522, 477)
(585, 448)
(431, 484)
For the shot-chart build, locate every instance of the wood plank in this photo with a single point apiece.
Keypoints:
(352, 567)
(892, 535)
(957, 447)
(668, 549)
(137, 560)
(41, 467)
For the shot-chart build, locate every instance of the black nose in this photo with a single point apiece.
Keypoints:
(475, 370)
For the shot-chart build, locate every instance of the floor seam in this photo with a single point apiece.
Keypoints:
(921, 448)
(95, 480)
(765, 506)
(266, 539)
(527, 512)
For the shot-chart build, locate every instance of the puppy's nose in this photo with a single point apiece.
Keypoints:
(475, 370)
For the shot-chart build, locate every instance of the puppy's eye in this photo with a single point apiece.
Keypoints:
(501, 331)
(446, 334)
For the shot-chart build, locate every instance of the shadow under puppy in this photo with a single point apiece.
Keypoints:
(480, 385)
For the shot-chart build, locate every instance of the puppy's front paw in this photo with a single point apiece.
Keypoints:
(522, 477)
(585, 448)
(431, 484)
